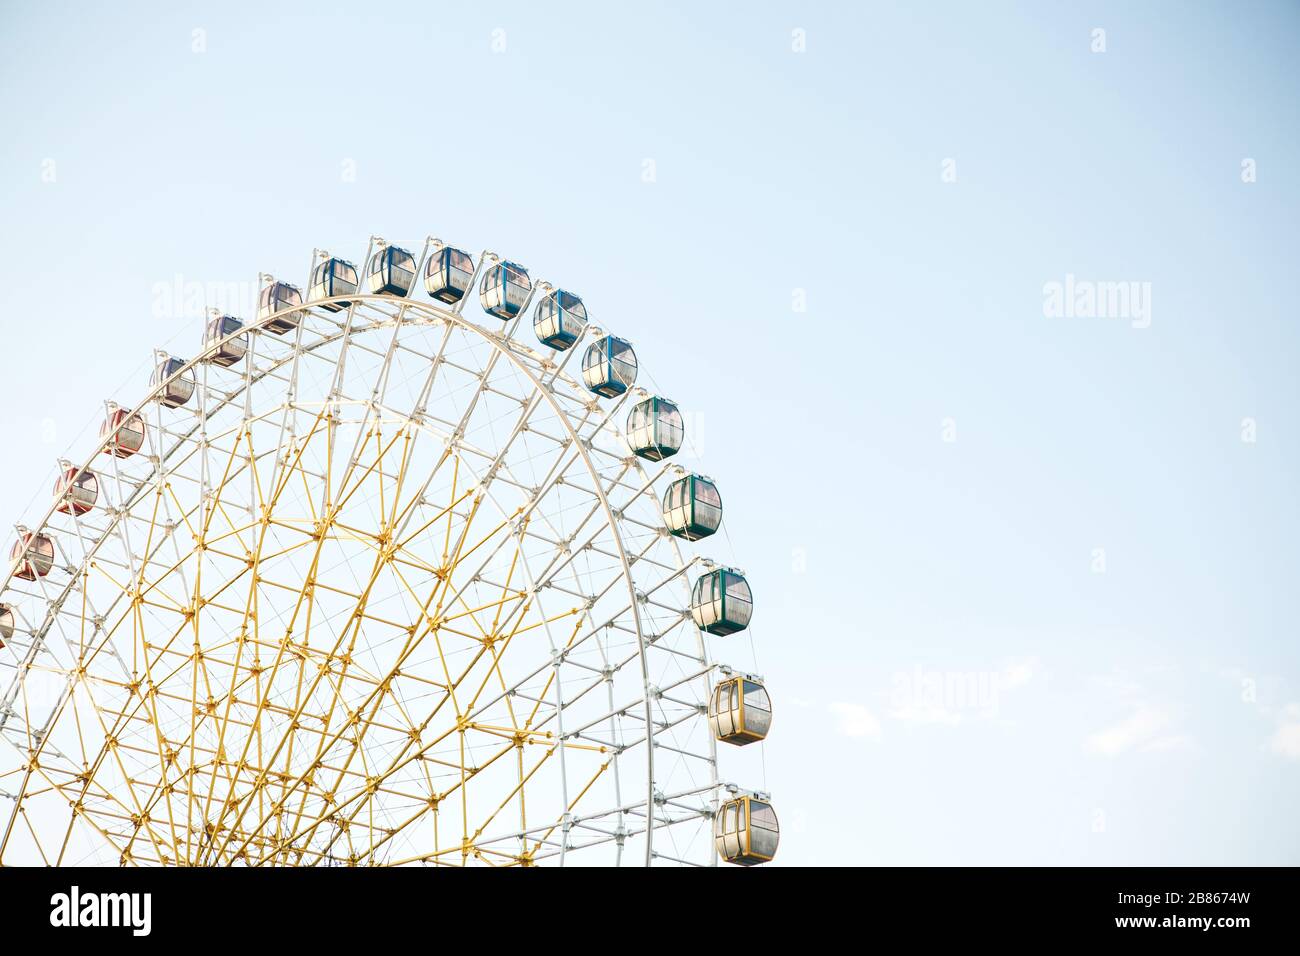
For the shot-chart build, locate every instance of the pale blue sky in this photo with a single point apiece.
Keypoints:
(1148, 714)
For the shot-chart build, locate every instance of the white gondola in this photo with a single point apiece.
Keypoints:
(176, 380)
(33, 554)
(122, 433)
(746, 831)
(609, 367)
(6, 624)
(740, 711)
(217, 348)
(76, 491)
(333, 277)
(559, 319)
(281, 304)
(692, 507)
(448, 274)
(392, 271)
(655, 429)
(505, 289)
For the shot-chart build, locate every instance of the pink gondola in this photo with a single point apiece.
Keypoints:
(76, 491)
(34, 553)
(125, 434)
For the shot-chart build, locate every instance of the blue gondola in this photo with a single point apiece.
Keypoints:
(609, 367)
(448, 274)
(721, 602)
(692, 507)
(505, 289)
(559, 319)
(333, 277)
(654, 428)
(392, 271)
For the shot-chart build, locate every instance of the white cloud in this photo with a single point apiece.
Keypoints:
(855, 720)
(1139, 729)
(1286, 739)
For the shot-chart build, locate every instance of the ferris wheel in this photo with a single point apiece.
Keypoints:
(367, 582)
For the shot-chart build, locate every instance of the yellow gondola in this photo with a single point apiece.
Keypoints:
(740, 711)
(746, 832)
